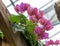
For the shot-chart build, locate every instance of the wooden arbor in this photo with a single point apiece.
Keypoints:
(5, 26)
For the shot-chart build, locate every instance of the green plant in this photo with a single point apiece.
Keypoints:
(25, 28)
(29, 28)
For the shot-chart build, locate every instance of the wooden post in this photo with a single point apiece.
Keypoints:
(13, 39)
(57, 9)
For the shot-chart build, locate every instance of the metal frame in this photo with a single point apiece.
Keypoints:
(12, 3)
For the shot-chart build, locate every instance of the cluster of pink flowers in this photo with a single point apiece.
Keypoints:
(51, 42)
(36, 16)
(21, 8)
(40, 31)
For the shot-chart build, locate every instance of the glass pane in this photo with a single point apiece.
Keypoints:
(6, 2)
(35, 3)
(53, 33)
(11, 10)
(13, 0)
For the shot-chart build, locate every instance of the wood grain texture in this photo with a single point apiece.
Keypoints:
(57, 9)
(13, 38)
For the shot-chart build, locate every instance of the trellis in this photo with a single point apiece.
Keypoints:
(14, 39)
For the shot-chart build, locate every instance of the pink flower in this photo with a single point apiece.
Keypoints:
(51, 42)
(39, 14)
(35, 10)
(40, 33)
(24, 7)
(56, 42)
(39, 30)
(47, 44)
(48, 26)
(32, 11)
(43, 36)
(17, 8)
(32, 18)
(43, 21)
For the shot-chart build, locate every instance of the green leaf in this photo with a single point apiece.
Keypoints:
(28, 22)
(14, 18)
(22, 19)
(30, 28)
(18, 18)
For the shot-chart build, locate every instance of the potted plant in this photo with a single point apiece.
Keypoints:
(33, 29)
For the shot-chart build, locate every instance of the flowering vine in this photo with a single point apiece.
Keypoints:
(36, 16)
(34, 28)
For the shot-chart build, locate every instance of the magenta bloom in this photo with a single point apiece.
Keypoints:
(56, 42)
(32, 18)
(23, 7)
(51, 42)
(39, 30)
(43, 36)
(47, 44)
(17, 8)
(39, 14)
(43, 21)
(41, 33)
(48, 26)
(32, 11)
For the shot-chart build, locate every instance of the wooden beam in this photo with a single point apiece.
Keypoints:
(57, 9)
(5, 25)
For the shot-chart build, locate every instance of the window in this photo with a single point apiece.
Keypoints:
(42, 4)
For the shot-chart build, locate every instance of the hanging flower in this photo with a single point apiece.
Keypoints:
(32, 18)
(47, 24)
(17, 8)
(51, 42)
(43, 36)
(23, 7)
(56, 42)
(39, 14)
(47, 44)
(43, 21)
(32, 11)
(39, 30)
